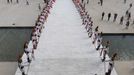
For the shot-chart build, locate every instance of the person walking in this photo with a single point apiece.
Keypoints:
(121, 20)
(115, 16)
(111, 64)
(102, 15)
(109, 15)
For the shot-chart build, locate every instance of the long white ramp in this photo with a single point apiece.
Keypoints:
(64, 47)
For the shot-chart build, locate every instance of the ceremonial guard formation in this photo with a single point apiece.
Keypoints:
(31, 46)
(95, 35)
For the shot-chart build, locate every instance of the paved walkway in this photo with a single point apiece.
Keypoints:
(64, 47)
(19, 15)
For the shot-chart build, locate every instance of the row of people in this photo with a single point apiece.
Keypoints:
(95, 35)
(86, 19)
(17, 1)
(31, 46)
(125, 18)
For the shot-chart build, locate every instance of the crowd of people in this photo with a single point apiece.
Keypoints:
(16, 1)
(95, 35)
(31, 46)
(27, 2)
(126, 18)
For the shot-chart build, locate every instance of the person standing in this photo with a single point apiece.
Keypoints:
(107, 44)
(84, 18)
(82, 1)
(87, 1)
(111, 64)
(104, 54)
(127, 13)
(127, 24)
(96, 29)
(121, 20)
(32, 55)
(27, 3)
(109, 15)
(98, 44)
(102, 15)
(95, 34)
(21, 66)
(45, 1)
(99, 41)
(11, 1)
(26, 48)
(8, 1)
(115, 16)
(17, 1)
(84, 6)
(88, 22)
(130, 5)
(27, 52)
(133, 22)
(90, 28)
(124, 1)
(90, 32)
(129, 16)
(106, 47)
(39, 7)
(101, 2)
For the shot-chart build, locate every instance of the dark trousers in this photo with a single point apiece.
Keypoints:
(98, 47)
(108, 73)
